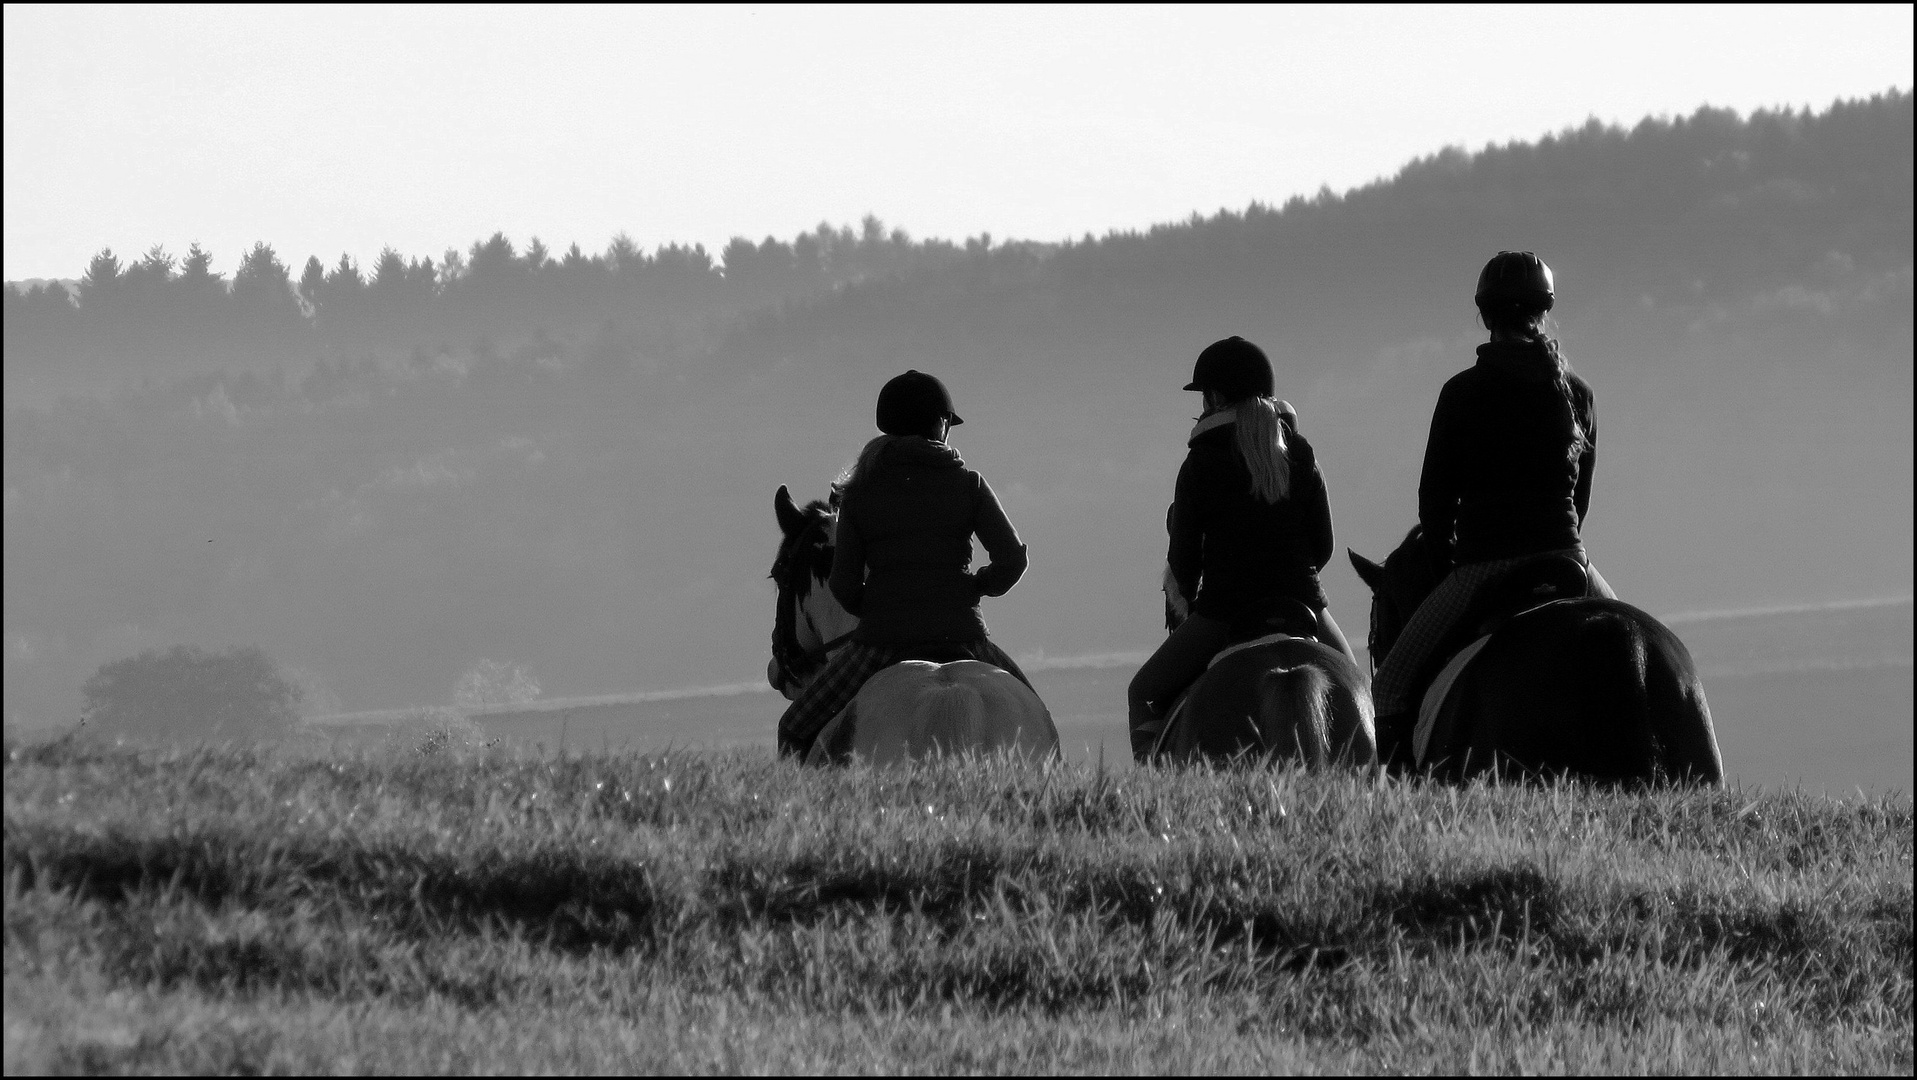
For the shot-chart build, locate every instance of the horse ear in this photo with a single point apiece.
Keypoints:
(790, 520)
(1371, 572)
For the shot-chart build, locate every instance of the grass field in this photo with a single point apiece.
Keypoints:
(241, 911)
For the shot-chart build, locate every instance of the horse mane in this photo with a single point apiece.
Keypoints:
(804, 557)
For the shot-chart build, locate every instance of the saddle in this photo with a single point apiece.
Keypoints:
(1532, 583)
(1535, 582)
(1292, 618)
(1528, 585)
(936, 652)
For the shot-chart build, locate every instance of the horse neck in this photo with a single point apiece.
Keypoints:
(1408, 575)
(821, 618)
(1406, 584)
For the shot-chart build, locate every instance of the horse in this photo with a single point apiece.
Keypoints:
(1542, 680)
(1278, 695)
(911, 709)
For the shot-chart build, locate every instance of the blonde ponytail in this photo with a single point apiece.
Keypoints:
(1261, 443)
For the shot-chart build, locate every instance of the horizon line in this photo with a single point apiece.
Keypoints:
(1707, 614)
(1035, 660)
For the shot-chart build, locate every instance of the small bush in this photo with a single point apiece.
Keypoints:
(189, 692)
(316, 698)
(438, 730)
(490, 682)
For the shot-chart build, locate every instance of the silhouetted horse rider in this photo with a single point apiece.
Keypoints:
(1507, 475)
(907, 515)
(1250, 528)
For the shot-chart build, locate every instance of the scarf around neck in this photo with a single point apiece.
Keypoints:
(1212, 422)
(918, 451)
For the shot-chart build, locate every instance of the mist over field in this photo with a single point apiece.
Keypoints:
(384, 475)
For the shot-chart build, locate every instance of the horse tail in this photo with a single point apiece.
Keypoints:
(951, 714)
(1294, 707)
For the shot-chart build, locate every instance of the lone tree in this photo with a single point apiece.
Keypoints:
(188, 692)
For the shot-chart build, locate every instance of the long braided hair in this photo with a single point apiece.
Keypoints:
(1526, 323)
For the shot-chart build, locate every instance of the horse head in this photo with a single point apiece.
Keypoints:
(808, 622)
(1398, 585)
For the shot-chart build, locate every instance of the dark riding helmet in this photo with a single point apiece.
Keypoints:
(1233, 368)
(912, 402)
(1515, 279)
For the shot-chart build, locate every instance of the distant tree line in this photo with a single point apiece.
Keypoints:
(160, 304)
(1671, 210)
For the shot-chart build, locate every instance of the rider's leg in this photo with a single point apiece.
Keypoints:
(1594, 582)
(1598, 586)
(1330, 634)
(1179, 661)
(1402, 673)
(985, 651)
(1411, 664)
(831, 690)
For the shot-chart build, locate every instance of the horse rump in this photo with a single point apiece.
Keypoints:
(1286, 700)
(917, 708)
(1591, 688)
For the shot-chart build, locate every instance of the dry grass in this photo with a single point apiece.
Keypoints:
(482, 911)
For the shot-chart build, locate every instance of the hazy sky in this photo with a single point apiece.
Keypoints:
(322, 130)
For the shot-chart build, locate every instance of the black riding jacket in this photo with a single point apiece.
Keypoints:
(1500, 480)
(1237, 552)
(904, 546)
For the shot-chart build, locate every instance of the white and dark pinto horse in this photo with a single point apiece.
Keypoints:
(1281, 696)
(1543, 680)
(909, 710)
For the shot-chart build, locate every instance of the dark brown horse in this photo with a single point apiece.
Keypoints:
(1561, 684)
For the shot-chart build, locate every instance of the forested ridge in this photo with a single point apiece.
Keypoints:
(1708, 207)
(1699, 210)
(384, 474)
(159, 308)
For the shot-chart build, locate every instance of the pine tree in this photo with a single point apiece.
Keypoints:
(100, 285)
